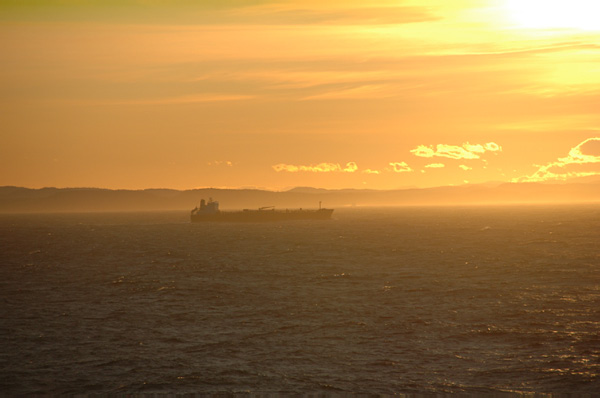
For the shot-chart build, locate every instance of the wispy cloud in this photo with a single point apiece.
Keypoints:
(179, 100)
(350, 167)
(343, 13)
(583, 160)
(186, 99)
(465, 167)
(435, 166)
(466, 151)
(359, 92)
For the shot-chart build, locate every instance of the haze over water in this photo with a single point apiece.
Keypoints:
(379, 300)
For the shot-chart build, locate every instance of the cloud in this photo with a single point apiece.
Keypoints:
(180, 100)
(435, 166)
(583, 160)
(330, 13)
(369, 171)
(350, 167)
(400, 167)
(221, 163)
(492, 147)
(477, 148)
(462, 166)
(364, 91)
(186, 99)
(466, 151)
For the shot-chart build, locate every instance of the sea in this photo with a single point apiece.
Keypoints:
(408, 302)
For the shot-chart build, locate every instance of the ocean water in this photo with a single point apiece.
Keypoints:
(376, 301)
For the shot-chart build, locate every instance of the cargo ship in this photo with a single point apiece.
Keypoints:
(209, 211)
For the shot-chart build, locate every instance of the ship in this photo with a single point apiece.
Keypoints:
(209, 211)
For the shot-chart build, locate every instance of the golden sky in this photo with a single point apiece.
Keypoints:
(276, 94)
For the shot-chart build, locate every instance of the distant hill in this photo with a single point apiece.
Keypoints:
(17, 199)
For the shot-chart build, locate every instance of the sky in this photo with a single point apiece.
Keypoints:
(183, 94)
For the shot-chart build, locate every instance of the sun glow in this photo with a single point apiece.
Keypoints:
(553, 14)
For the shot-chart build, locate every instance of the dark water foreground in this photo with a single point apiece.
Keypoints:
(381, 301)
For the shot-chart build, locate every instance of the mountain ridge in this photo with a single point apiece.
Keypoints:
(28, 200)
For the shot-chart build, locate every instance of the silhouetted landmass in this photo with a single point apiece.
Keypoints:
(45, 200)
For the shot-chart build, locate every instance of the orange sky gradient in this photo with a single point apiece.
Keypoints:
(275, 94)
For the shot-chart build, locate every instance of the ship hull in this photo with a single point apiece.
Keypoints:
(262, 215)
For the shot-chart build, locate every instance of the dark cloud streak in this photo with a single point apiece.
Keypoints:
(218, 12)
